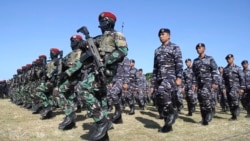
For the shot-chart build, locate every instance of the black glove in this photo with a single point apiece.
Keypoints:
(63, 76)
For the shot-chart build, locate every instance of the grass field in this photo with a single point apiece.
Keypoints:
(19, 124)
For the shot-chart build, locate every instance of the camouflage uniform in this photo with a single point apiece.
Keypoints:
(68, 80)
(112, 47)
(205, 74)
(141, 85)
(233, 80)
(168, 66)
(44, 91)
(121, 78)
(246, 97)
(191, 96)
(222, 98)
(133, 87)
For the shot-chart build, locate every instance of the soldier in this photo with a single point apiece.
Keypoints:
(221, 96)
(68, 79)
(141, 84)
(205, 79)
(246, 97)
(130, 93)
(233, 85)
(191, 96)
(44, 91)
(112, 47)
(167, 75)
(120, 81)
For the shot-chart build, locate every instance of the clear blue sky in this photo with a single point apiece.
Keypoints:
(30, 28)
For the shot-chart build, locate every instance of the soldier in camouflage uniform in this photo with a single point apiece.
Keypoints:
(233, 85)
(246, 97)
(45, 89)
(120, 81)
(191, 96)
(205, 80)
(221, 96)
(112, 48)
(68, 80)
(133, 87)
(139, 96)
(167, 75)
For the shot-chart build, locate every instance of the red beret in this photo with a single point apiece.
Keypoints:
(79, 37)
(55, 50)
(23, 67)
(42, 56)
(19, 70)
(107, 14)
(28, 65)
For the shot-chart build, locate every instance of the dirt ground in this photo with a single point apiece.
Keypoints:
(19, 124)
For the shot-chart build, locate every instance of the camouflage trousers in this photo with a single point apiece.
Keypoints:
(65, 97)
(205, 96)
(44, 94)
(93, 95)
(233, 97)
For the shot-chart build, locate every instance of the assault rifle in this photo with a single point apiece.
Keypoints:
(92, 52)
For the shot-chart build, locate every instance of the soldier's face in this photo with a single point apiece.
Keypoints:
(245, 65)
(230, 60)
(188, 63)
(200, 50)
(164, 37)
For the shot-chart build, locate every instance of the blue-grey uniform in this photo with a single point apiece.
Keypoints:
(246, 96)
(205, 74)
(133, 85)
(168, 66)
(233, 81)
(191, 96)
(121, 77)
(141, 85)
(221, 96)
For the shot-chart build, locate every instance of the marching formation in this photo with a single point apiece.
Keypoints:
(98, 75)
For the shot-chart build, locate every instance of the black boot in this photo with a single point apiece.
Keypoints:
(248, 112)
(117, 117)
(204, 118)
(46, 113)
(132, 110)
(36, 108)
(101, 130)
(68, 122)
(189, 110)
(169, 121)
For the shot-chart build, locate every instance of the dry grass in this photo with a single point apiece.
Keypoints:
(18, 124)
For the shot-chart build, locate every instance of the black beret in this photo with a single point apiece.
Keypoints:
(200, 45)
(132, 60)
(229, 56)
(162, 30)
(140, 70)
(187, 60)
(244, 62)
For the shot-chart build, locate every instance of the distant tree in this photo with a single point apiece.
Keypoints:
(148, 76)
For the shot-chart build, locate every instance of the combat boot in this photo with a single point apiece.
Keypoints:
(248, 112)
(68, 122)
(117, 117)
(204, 118)
(101, 131)
(36, 108)
(132, 110)
(46, 113)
